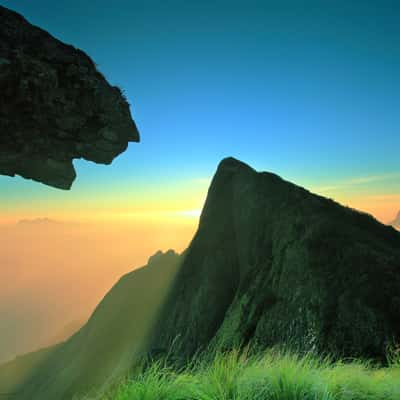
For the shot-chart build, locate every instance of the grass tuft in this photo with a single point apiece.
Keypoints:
(273, 375)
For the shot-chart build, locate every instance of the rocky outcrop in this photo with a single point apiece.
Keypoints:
(55, 106)
(273, 264)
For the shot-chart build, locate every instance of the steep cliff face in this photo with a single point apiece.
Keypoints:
(54, 106)
(107, 345)
(272, 264)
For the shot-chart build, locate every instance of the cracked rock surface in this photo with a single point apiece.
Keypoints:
(55, 106)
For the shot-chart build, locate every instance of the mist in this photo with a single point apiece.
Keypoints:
(54, 273)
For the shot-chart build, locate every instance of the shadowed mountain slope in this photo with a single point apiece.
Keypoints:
(55, 106)
(270, 264)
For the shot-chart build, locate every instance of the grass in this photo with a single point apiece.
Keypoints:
(273, 375)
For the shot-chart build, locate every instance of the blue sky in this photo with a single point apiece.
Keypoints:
(307, 89)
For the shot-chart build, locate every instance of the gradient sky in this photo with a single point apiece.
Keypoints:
(307, 89)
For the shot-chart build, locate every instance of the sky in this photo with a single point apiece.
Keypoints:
(309, 90)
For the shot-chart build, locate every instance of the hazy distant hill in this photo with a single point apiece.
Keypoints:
(271, 263)
(105, 346)
(396, 221)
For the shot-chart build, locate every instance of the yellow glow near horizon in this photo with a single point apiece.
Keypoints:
(152, 203)
(181, 201)
(190, 213)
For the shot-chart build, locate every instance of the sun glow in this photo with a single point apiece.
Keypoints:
(190, 213)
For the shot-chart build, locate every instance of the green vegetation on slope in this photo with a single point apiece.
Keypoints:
(273, 375)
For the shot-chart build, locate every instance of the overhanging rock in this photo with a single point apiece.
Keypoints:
(55, 106)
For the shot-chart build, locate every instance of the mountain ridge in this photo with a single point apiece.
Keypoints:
(268, 227)
(270, 264)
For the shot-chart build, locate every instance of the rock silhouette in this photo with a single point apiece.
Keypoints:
(273, 264)
(55, 106)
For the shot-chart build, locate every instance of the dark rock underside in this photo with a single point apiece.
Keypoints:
(54, 106)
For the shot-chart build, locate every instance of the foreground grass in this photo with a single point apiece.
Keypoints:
(271, 376)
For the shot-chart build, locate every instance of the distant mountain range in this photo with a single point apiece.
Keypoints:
(270, 264)
(40, 221)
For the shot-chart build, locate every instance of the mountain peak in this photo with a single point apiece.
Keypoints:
(158, 255)
(272, 264)
(233, 164)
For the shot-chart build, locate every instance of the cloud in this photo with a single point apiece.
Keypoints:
(385, 197)
(357, 181)
(373, 178)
